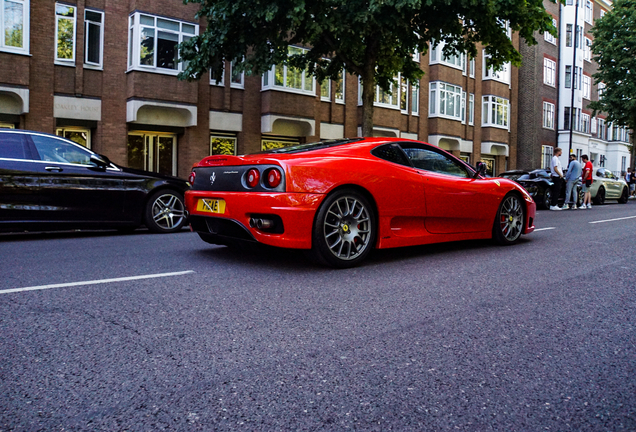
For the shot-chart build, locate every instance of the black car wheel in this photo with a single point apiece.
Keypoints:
(547, 198)
(165, 212)
(344, 229)
(508, 224)
(624, 196)
(600, 196)
(580, 198)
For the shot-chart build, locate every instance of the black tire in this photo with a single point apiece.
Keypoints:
(600, 196)
(165, 212)
(511, 216)
(580, 198)
(547, 198)
(344, 229)
(624, 196)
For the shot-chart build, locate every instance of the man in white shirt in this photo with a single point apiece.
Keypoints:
(556, 172)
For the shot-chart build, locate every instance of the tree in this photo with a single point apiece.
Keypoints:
(614, 49)
(374, 39)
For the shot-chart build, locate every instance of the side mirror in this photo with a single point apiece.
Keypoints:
(100, 161)
(481, 170)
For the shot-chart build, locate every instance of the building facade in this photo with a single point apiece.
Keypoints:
(557, 87)
(104, 73)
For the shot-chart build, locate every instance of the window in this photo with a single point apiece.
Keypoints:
(602, 131)
(81, 136)
(286, 78)
(549, 72)
(601, 89)
(495, 112)
(579, 36)
(437, 56)
(236, 78)
(502, 75)
(14, 26)
(585, 123)
(568, 76)
(153, 43)
(548, 37)
(396, 98)
(155, 152)
(404, 93)
(271, 143)
(94, 38)
(57, 150)
(471, 68)
(430, 160)
(546, 156)
(221, 144)
(548, 115)
(587, 86)
(589, 11)
(587, 53)
(568, 35)
(415, 99)
(65, 31)
(471, 109)
(593, 125)
(391, 153)
(578, 75)
(446, 100)
(623, 163)
(602, 13)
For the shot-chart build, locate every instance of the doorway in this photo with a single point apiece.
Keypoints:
(155, 152)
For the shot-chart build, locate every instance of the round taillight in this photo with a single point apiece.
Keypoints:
(193, 176)
(273, 178)
(253, 177)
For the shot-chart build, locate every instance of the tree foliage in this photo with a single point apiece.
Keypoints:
(374, 39)
(614, 49)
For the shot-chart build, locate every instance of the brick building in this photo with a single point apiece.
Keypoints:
(104, 73)
(555, 95)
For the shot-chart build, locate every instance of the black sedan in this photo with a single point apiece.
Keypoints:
(48, 183)
(539, 185)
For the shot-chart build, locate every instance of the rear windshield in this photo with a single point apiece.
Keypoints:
(311, 146)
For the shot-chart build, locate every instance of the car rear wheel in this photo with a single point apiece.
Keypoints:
(580, 198)
(624, 196)
(344, 229)
(509, 222)
(600, 196)
(547, 198)
(165, 212)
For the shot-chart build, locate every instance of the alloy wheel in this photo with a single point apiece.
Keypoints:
(347, 228)
(168, 211)
(511, 218)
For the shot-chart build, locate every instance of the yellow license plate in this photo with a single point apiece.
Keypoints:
(211, 205)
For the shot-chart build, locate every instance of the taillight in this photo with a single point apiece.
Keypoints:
(253, 177)
(193, 176)
(273, 178)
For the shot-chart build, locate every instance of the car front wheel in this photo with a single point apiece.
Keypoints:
(547, 198)
(509, 221)
(165, 212)
(344, 229)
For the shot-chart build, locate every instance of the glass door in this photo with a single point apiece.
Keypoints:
(153, 152)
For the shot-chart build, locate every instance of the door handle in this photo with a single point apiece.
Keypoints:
(53, 168)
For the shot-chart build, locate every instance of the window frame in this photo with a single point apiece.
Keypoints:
(487, 108)
(457, 94)
(134, 43)
(26, 18)
(587, 87)
(549, 72)
(268, 80)
(589, 12)
(58, 18)
(548, 115)
(233, 84)
(488, 73)
(436, 56)
(223, 136)
(87, 22)
(64, 129)
(548, 37)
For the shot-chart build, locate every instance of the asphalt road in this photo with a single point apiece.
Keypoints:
(463, 336)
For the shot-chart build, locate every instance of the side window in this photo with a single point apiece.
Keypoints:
(12, 146)
(430, 160)
(57, 150)
(391, 153)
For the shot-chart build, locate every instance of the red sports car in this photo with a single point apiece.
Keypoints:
(340, 199)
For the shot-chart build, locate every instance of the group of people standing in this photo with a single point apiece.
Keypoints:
(630, 179)
(575, 172)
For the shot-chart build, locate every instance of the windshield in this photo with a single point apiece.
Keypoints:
(311, 146)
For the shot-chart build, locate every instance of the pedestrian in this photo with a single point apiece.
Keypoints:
(571, 179)
(556, 172)
(586, 177)
(627, 175)
(632, 183)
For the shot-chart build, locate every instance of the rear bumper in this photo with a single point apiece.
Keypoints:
(296, 212)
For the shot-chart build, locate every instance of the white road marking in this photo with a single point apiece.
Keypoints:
(612, 220)
(544, 229)
(94, 282)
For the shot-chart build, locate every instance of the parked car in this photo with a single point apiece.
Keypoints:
(538, 183)
(607, 186)
(48, 182)
(340, 199)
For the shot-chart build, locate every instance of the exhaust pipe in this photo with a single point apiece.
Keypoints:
(262, 224)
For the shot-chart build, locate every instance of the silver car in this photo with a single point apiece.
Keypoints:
(607, 186)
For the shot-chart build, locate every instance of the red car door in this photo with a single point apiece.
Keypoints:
(455, 201)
